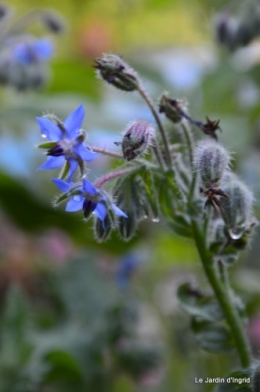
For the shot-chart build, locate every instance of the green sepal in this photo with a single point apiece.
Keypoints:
(47, 145)
(64, 171)
(149, 191)
(212, 337)
(195, 303)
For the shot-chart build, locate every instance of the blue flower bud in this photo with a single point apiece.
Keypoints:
(115, 71)
(237, 209)
(136, 139)
(211, 162)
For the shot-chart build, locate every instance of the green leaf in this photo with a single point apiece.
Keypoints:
(64, 365)
(197, 304)
(211, 337)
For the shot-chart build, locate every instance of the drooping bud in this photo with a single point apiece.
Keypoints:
(136, 139)
(53, 22)
(211, 162)
(103, 229)
(237, 209)
(174, 109)
(117, 72)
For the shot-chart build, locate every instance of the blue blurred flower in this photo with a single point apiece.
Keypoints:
(126, 268)
(33, 51)
(68, 142)
(88, 199)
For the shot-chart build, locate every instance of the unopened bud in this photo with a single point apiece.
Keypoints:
(174, 109)
(211, 161)
(136, 139)
(103, 228)
(237, 209)
(115, 71)
(53, 22)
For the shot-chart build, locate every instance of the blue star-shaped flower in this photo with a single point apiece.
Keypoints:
(68, 142)
(33, 51)
(88, 199)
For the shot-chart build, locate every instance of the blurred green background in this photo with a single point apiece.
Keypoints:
(70, 318)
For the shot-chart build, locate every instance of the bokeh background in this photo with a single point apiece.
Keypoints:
(83, 316)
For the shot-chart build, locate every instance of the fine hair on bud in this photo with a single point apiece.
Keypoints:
(211, 161)
(173, 108)
(137, 137)
(237, 209)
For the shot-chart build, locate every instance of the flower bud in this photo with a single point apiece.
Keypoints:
(211, 161)
(237, 209)
(136, 139)
(115, 71)
(103, 229)
(53, 22)
(173, 108)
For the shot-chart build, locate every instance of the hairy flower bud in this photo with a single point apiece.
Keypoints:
(115, 71)
(103, 229)
(237, 209)
(173, 108)
(136, 139)
(211, 161)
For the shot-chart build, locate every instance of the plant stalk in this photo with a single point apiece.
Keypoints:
(223, 297)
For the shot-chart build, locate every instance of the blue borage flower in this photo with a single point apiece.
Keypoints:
(87, 198)
(33, 51)
(67, 143)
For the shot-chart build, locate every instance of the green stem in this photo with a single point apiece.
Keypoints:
(188, 138)
(223, 297)
(149, 102)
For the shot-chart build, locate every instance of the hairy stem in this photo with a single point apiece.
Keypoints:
(149, 102)
(107, 152)
(223, 297)
(118, 173)
(188, 139)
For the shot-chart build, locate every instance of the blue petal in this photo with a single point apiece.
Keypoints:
(101, 211)
(73, 166)
(75, 203)
(118, 212)
(89, 187)
(62, 185)
(85, 153)
(43, 49)
(73, 122)
(49, 129)
(52, 163)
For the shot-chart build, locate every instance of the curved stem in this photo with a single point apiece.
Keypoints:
(223, 298)
(149, 102)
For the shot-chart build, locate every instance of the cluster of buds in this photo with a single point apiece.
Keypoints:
(224, 191)
(238, 30)
(24, 58)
